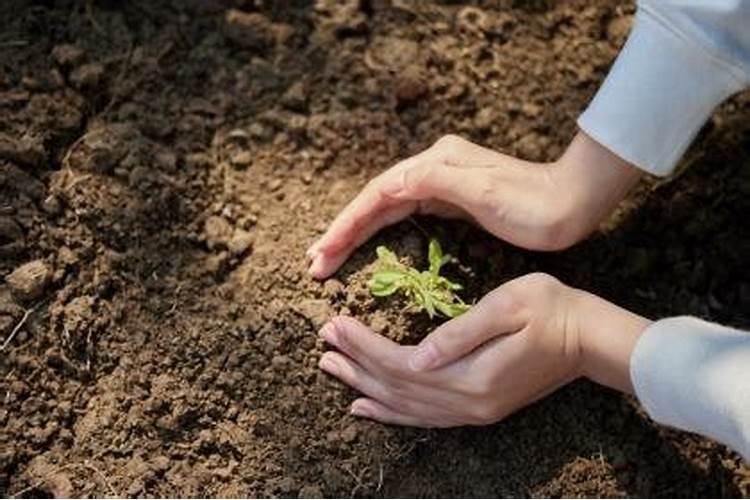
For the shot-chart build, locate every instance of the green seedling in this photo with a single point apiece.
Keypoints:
(425, 290)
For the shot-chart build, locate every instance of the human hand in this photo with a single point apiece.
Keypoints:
(546, 206)
(519, 343)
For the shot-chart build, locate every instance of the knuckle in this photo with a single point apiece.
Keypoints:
(556, 234)
(544, 284)
(482, 414)
(414, 176)
(449, 142)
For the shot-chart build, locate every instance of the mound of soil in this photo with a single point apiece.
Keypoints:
(164, 166)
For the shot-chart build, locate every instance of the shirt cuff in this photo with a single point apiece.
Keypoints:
(660, 91)
(695, 376)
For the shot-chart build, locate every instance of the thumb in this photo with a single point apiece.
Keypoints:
(496, 314)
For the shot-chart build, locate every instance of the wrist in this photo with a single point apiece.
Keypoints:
(593, 181)
(607, 335)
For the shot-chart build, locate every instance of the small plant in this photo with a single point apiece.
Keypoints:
(425, 290)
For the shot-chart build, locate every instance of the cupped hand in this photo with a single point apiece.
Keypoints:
(518, 344)
(545, 206)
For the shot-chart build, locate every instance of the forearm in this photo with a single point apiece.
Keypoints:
(608, 335)
(687, 373)
(595, 181)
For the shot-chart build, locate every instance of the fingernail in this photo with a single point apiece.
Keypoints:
(424, 357)
(358, 411)
(327, 365)
(328, 333)
(313, 249)
(316, 266)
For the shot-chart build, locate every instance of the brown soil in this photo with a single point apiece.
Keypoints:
(163, 167)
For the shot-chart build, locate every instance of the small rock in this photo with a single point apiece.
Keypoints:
(103, 147)
(472, 19)
(28, 281)
(55, 79)
(160, 463)
(349, 434)
(250, 31)
(66, 257)
(318, 311)
(259, 131)
(531, 110)
(280, 361)
(218, 231)
(295, 97)
(410, 87)
(241, 159)
(87, 76)
(310, 491)
(67, 55)
(333, 288)
(287, 485)
(52, 205)
(240, 242)
(392, 53)
(237, 135)
(275, 184)
(484, 118)
(297, 124)
(216, 264)
(346, 18)
(166, 160)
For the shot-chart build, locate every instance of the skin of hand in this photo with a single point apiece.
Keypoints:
(521, 342)
(539, 206)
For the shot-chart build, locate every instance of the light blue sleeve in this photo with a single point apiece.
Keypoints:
(681, 60)
(695, 376)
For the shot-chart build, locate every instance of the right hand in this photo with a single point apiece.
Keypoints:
(521, 342)
(546, 206)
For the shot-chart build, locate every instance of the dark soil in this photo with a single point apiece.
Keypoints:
(163, 167)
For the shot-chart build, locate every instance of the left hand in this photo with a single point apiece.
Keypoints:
(529, 345)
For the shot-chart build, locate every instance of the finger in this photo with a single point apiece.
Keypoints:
(408, 399)
(353, 375)
(363, 211)
(496, 314)
(372, 409)
(377, 354)
(325, 263)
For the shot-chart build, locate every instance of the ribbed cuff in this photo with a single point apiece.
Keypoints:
(695, 376)
(660, 91)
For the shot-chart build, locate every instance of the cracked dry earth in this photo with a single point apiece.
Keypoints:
(164, 165)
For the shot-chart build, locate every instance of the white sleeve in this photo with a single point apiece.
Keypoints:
(695, 376)
(681, 60)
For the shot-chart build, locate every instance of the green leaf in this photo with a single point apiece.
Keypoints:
(435, 257)
(425, 290)
(387, 257)
(452, 310)
(384, 283)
